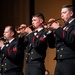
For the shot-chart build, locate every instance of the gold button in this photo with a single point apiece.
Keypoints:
(28, 53)
(5, 63)
(60, 55)
(57, 50)
(2, 65)
(61, 48)
(3, 55)
(31, 52)
(5, 69)
(31, 57)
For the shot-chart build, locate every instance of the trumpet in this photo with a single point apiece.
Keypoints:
(18, 28)
(23, 27)
(52, 21)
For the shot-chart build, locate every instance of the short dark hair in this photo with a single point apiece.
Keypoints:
(12, 28)
(70, 7)
(39, 15)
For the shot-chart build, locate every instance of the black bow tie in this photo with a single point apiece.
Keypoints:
(66, 24)
(36, 31)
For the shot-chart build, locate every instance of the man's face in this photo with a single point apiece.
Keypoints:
(36, 22)
(7, 33)
(66, 14)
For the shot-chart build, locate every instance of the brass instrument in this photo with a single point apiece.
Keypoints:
(23, 27)
(46, 23)
(52, 21)
(18, 28)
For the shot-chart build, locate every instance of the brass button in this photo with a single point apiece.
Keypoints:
(31, 52)
(28, 53)
(31, 57)
(57, 50)
(5, 69)
(2, 65)
(60, 55)
(61, 48)
(3, 55)
(5, 63)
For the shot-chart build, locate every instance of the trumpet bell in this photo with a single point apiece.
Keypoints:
(17, 28)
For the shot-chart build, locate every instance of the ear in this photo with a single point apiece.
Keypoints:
(71, 13)
(12, 34)
(41, 21)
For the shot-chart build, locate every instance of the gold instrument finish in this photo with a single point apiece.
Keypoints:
(52, 21)
(22, 27)
(18, 28)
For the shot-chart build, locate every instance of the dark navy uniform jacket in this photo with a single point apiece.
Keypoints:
(65, 41)
(36, 44)
(10, 58)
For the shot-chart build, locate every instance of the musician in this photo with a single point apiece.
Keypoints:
(36, 45)
(11, 60)
(65, 42)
